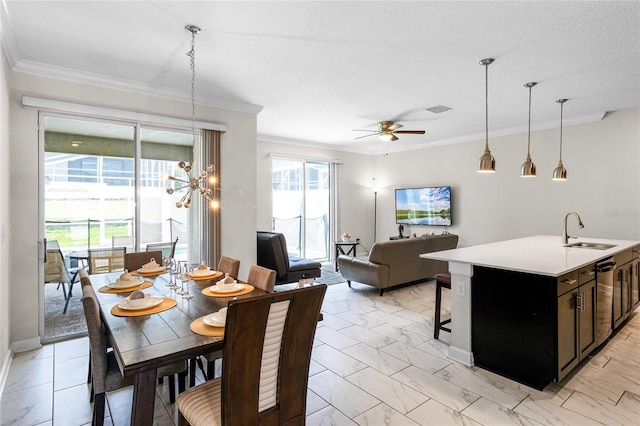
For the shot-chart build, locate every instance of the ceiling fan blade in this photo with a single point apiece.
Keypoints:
(366, 136)
(363, 130)
(410, 132)
(393, 137)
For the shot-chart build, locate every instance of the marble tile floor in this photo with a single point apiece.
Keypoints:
(374, 363)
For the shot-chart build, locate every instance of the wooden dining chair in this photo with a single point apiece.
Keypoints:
(105, 373)
(229, 265)
(135, 260)
(267, 351)
(104, 260)
(262, 278)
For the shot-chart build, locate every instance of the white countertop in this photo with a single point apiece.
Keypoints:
(540, 254)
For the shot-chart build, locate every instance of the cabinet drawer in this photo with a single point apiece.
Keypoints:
(623, 257)
(587, 273)
(635, 251)
(568, 282)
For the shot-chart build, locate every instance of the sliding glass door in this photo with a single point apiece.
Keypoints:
(300, 191)
(104, 186)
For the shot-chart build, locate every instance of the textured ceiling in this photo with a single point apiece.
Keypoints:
(320, 69)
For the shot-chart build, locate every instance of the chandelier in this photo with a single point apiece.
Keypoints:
(197, 183)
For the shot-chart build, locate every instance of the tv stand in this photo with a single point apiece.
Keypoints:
(398, 237)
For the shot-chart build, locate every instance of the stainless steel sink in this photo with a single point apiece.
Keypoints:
(595, 246)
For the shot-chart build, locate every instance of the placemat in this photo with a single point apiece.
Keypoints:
(199, 327)
(147, 274)
(248, 288)
(166, 304)
(208, 277)
(107, 289)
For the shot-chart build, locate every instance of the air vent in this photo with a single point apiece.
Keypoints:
(438, 109)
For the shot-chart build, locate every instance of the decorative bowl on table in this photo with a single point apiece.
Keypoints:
(151, 266)
(126, 280)
(202, 270)
(137, 299)
(227, 284)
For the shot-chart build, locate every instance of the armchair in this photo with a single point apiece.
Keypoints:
(272, 254)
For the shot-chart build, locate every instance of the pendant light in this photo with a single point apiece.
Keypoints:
(528, 168)
(194, 183)
(487, 162)
(560, 173)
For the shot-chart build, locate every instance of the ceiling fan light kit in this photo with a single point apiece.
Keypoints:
(387, 131)
(487, 161)
(528, 167)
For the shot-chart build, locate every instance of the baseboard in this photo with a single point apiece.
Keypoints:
(26, 345)
(4, 371)
(460, 355)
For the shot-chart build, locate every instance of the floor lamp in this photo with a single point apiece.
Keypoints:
(375, 214)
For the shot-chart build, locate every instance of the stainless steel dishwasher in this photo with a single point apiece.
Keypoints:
(604, 302)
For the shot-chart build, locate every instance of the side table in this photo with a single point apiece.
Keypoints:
(340, 249)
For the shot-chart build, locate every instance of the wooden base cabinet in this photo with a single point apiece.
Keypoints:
(576, 326)
(623, 287)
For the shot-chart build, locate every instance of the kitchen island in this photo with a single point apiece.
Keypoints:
(511, 299)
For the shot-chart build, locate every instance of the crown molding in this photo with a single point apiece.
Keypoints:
(388, 147)
(75, 76)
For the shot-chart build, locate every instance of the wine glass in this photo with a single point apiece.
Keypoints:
(182, 276)
(188, 278)
(174, 270)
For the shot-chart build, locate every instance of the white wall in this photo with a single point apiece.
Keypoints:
(238, 180)
(4, 217)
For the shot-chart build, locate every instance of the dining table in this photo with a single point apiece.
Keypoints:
(143, 343)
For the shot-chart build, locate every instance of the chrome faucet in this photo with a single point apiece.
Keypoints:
(565, 236)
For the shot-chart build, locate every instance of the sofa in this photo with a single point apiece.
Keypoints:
(395, 262)
(272, 254)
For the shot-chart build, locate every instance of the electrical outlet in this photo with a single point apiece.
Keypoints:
(459, 288)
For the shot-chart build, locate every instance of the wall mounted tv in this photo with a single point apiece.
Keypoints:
(424, 206)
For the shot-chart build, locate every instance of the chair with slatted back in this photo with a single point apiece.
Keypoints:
(133, 261)
(168, 249)
(105, 373)
(262, 278)
(55, 271)
(103, 260)
(229, 265)
(267, 351)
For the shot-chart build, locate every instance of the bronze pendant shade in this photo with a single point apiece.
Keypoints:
(487, 161)
(560, 173)
(528, 168)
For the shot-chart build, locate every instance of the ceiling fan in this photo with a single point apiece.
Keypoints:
(387, 131)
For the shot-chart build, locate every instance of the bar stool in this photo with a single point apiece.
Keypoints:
(442, 281)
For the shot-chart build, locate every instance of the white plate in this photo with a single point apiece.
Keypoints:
(215, 289)
(151, 270)
(153, 301)
(127, 284)
(214, 320)
(202, 272)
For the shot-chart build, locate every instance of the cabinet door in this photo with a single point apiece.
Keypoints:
(617, 298)
(621, 294)
(635, 284)
(568, 353)
(587, 318)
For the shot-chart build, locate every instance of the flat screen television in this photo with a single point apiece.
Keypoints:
(424, 206)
